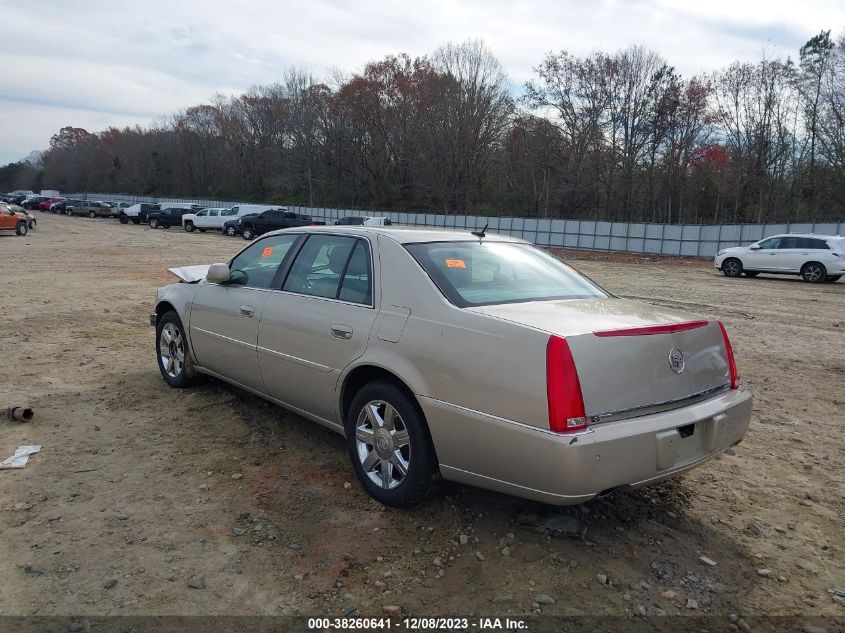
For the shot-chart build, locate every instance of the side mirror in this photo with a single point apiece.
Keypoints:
(218, 273)
(755, 247)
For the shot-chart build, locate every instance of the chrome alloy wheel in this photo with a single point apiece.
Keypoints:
(171, 349)
(382, 443)
(812, 273)
(731, 268)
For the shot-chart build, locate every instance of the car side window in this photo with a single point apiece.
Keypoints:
(202, 213)
(790, 242)
(772, 242)
(356, 286)
(213, 213)
(320, 267)
(817, 244)
(257, 265)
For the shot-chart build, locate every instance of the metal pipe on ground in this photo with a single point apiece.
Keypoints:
(21, 414)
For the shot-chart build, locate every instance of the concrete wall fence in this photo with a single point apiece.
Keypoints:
(690, 240)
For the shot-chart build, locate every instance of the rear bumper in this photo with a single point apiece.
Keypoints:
(513, 458)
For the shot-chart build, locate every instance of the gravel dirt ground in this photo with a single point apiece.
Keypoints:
(150, 500)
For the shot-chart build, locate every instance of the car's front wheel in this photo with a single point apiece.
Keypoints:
(189, 226)
(68, 212)
(91, 214)
(248, 233)
(732, 267)
(32, 223)
(230, 231)
(174, 358)
(123, 218)
(390, 446)
(153, 223)
(832, 278)
(813, 272)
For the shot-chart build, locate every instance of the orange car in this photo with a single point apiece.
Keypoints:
(11, 220)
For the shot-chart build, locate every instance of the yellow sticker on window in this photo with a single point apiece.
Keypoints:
(455, 263)
(267, 252)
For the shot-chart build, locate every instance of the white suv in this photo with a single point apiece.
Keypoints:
(817, 258)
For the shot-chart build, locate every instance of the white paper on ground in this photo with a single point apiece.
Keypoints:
(21, 456)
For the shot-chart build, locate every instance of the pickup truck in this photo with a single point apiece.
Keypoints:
(251, 226)
(204, 219)
(137, 213)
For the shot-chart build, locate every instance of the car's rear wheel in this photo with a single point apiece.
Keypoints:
(732, 267)
(91, 214)
(813, 272)
(189, 226)
(751, 273)
(230, 231)
(174, 357)
(390, 446)
(21, 228)
(247, 233)
(68, 212)
(153, 223)
(832, 278)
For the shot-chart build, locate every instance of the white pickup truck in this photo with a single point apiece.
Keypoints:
(208, 218)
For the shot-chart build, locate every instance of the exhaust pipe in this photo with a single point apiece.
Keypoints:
(21, 414)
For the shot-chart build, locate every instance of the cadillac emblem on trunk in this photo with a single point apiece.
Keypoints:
(676, 360)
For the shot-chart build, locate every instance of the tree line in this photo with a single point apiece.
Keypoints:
(611, 136)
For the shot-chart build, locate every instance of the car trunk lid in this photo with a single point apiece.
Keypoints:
(630, 357)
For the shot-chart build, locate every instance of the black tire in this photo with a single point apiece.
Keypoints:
(247, 233)
(186, 375)
(732, 267)
(422, 475)
(32, 224)
(153, 223)
(751, 273)
(832, 279)
(230, 231)
(123, 218)
(189, 226)
(813, 272)
(68, 212)
(21, 228)
(91, 214)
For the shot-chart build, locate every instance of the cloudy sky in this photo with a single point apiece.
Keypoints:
(94, 64)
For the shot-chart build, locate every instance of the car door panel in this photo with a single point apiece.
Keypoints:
(224, 331)
(225, 317)
(764, 258)
(306, 340)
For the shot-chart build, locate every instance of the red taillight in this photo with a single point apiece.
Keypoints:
(731, 361)
(566, 404)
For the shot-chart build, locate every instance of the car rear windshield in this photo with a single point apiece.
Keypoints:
(488, 273)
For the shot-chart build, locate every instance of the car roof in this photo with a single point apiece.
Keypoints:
(816, 235)
(405, 234)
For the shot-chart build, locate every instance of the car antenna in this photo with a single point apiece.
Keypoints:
(482, 233)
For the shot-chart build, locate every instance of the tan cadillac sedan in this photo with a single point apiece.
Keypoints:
(469, 357)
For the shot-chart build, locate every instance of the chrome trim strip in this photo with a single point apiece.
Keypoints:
(228, 339)
(507, 421)
(658, 407)
(295, 359)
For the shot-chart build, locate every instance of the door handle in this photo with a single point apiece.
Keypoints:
(247, 311)
(341, 331)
